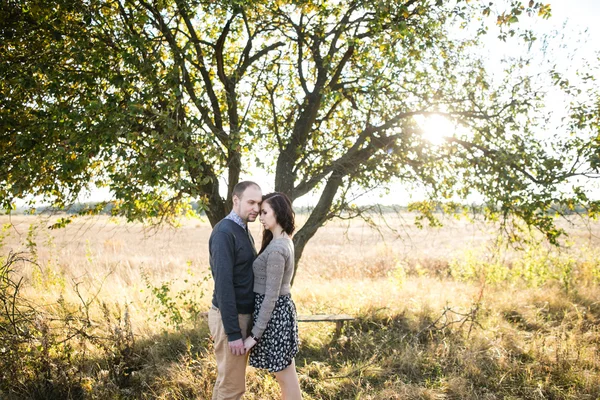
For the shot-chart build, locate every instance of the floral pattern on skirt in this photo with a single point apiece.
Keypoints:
(278, 345)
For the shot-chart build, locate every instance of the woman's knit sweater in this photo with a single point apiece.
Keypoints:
(273, 270)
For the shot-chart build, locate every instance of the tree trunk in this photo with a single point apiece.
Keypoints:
(317, 218)
(285, 177)
(218, 208)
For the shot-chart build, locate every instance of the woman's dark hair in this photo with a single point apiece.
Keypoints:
(284, 215)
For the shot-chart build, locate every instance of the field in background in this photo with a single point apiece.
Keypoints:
(441, 312)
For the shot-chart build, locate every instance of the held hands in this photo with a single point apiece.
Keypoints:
(237, 347)
(249, 343)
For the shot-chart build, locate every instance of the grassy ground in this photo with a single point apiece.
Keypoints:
(111, 311)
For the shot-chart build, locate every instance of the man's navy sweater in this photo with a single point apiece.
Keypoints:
(231, 258)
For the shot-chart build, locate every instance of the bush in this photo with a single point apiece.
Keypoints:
(45, 355)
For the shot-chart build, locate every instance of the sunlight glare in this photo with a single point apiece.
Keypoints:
(436, 128)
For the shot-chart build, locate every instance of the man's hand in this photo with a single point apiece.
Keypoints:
(249, 343)
(237, 347)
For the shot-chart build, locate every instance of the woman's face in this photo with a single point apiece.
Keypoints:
(267, 216)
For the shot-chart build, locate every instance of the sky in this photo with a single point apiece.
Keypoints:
(569, 17)
(584, 13)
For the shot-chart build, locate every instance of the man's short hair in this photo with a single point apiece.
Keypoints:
(241, 187)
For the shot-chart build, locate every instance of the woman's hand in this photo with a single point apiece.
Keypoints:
(249, 343)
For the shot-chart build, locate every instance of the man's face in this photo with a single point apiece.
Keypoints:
(248, 206)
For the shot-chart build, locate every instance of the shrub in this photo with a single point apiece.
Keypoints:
(46, 352)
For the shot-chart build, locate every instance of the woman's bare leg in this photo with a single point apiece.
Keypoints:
(288, 381)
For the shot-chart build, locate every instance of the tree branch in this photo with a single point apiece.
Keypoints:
(217, 128)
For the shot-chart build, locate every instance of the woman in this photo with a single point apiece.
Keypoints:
(274, 336)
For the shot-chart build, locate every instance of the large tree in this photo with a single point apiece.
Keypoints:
(161, 99)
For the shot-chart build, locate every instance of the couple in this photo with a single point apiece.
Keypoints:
(252, 312)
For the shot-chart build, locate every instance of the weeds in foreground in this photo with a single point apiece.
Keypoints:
(52, 352)
(528, 344)
(420, 333)
(176, 308)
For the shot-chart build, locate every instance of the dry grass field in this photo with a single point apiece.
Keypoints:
(110, 310)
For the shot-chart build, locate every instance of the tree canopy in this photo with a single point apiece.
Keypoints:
(165, 101)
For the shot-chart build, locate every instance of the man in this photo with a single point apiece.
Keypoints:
(232, 252)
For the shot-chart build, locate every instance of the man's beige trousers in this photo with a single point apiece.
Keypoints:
(231, 370)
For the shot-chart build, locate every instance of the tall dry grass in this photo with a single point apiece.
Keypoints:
(441, 312)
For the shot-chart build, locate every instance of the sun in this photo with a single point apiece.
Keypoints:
(435, 128)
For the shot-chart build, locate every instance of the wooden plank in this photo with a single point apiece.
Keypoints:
(325, 317)
(339, 320)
